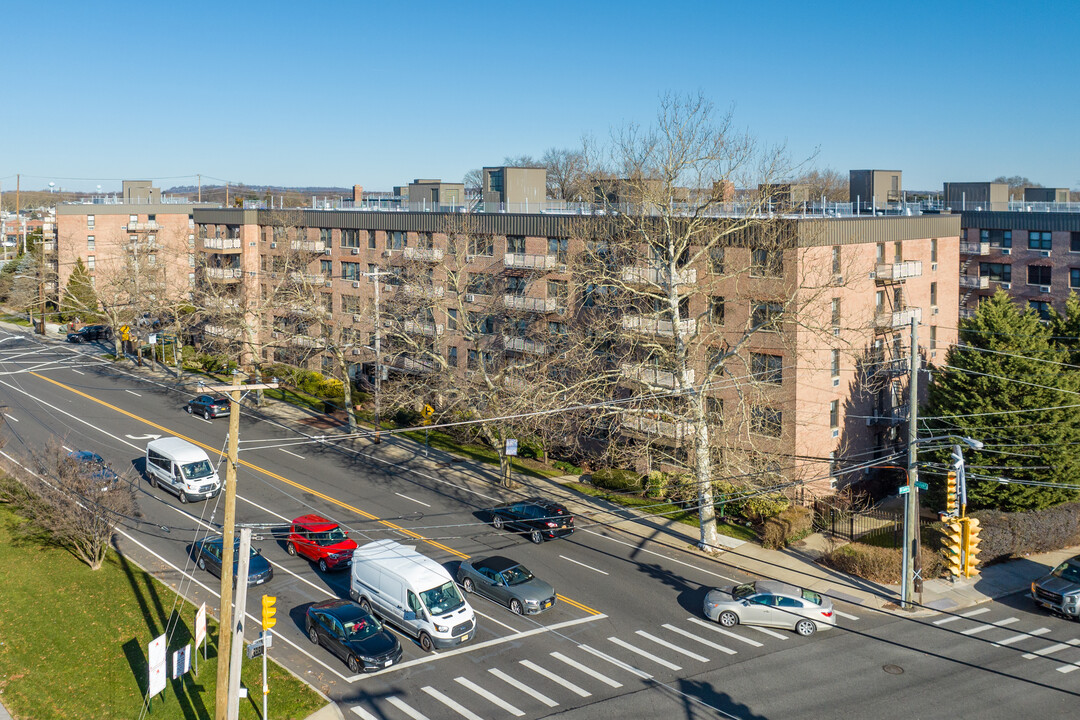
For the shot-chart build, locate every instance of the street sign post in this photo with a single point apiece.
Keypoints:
(157, 658)
(904, 490)
(921, 485)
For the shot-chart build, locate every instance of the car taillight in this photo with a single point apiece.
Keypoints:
(827, 614)
(551, 524)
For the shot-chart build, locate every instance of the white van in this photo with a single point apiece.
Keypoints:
(412, 592)
(181, 468)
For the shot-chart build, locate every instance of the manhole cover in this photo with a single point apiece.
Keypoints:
(893, 669)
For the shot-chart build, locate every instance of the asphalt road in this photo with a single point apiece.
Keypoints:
(628, 639)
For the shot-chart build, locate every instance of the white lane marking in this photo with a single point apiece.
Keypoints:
(644, 653)
(767, 631)
(11, 417)
(1021, 636)
(291, 453)
(405, 708)
(452, 704)
(587, 670)
(265, 510)
(617, 663)
(489, 696)
(1050, 649)
(511, 628)
(722, 631)
(672, 646)
(844, 614)
(580, 692)
(364, 714)
(202, 419)
(80, 372)
(583, 565)
(523, 687)
(988, 626)
(133, 393)
(413, 499)
(703, 641)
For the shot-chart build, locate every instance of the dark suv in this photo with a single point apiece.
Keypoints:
(90, 333)
(538, 518)
(208, 406)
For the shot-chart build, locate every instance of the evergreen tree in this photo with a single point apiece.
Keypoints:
(80, 301)
(1013, 364)
(1067, 330)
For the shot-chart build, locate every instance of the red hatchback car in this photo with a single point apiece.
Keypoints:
(322, 541)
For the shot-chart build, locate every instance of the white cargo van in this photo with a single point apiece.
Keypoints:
(412, 592)
(181, 468)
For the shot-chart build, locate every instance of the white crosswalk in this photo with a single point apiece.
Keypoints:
(1065, 649)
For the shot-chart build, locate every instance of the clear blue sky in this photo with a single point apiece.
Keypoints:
(381, 93)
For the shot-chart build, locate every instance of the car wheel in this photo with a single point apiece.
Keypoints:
(354, 664)
(183, 497)
(365, 605)
(425, 642)
(323, 567)
(202, 563)
(313, 635)
(515, 606)
(467, 584)
(498, 522)
(728, 619)
(187, 409)
(152, 480)
(536, 536)
(291, 549)
(206, 414)
(806, 628)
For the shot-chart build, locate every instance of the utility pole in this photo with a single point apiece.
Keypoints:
(241, 617)
(200, 187)
(378, 352)
(225, 624)
(912, 564)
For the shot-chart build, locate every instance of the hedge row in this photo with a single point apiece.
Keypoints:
(1007, 535)
(879, 564)
(792, 524)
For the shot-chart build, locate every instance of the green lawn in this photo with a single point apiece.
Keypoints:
(658, 507)
(73, 642)
(15, 320)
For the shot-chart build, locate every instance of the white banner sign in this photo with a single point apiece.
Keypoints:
(200, 625)
(181, 661)
(157, 665)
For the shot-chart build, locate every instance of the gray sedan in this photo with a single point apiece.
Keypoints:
(506, 582)
(770, 603)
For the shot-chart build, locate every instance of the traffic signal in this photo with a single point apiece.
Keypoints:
(268, 612)
(954, 546)
(950, 493)
(971, 546)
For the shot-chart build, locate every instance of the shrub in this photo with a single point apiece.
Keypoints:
(790, 525)
(759, 508)
(682, 489)
(878, 564)
(616, 479)
(656, 484)
(568, 468)
(407, 417)
(1006, 535)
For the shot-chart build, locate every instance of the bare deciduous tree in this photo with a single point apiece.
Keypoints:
(826, 183)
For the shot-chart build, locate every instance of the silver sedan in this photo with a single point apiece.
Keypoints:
(770, 603)
(508, 583)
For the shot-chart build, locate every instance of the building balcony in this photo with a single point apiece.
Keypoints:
(653, 376)
(431, 255)
(307, 341)
(218, 243)
(889, 417)
(312, 246)
(410, 366)
(358, 317)
(422, 328)
(222, 305)
(897, 319)
(529, 262)
(975, 282)
(531, 304)
(891, 367)
(224, 274)
(147, 245)
(974, 248)
(657, 326)
(48, 247)
(142, 227)
(645, 425)
(307, 278)
(895, 272)
(522, 345)
(658, 276)
(223, 332)
(431, 292)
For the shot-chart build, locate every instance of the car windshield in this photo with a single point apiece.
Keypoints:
(443, 599)
(330, 537)
(517, 575)
(811, 596)
(361, 628)
(744, 590)
(1067, 571)
(196, 470)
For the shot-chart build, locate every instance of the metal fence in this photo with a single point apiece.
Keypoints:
(883, 527)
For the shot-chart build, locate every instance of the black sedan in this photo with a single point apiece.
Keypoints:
(353, 634)
(207, 554)
(209, 406)
(536, 517)
(506, 582)
(94, 467)
(90, 333)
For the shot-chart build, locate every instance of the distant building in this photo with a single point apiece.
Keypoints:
(1048, 195)
(875, 188)
(514, 187)
(975, 196)
(435, 193)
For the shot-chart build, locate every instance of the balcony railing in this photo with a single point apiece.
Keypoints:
(217, 243)
(426, 291)
(142, 227)
(889, 416)
(411, 366)
(675, 429)
(658, 276)
(529, 262)
(974, 248)
(306, 341)
(432, 255)
(656, 377)
(977, 282)
(532, 304)
(891, 366)
(314, 246)
(892, 272)
(967, 313)
(224, 273)
(523, 345)
(897, 318)
(657, 326)
(309, 278)
(219, 331)
(423, 328)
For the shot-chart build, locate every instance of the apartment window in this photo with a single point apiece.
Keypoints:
(516, 285)
(371, 240)
(1042, 307)
(90, 221)
(716, 310)
(90, 243)
(1074, 242)
(479, 284)
(997, 272)
(559, 291)
(996, 238)
(425, 240)
(372, 269)
(133, 219)
(766, 420)
(556, 328)
(836, 269)
(451, 318)
(350, 271)
(1038, 240)
(351, 304)
(767, 368)
(881, 253)
(716, 260)
(715, 409)
(191, 260)
(89, 262)
(898, 252)
(836, 313)
(1038, 274)
(451, 356)
(933, 250)
(1074, 277)
(483, 245)
(766, 263)
(559, 248)
(396, 240)
(350, 238)
(879, 300)
(471, 360)
(766, 315)
(933, 294)
(834, 414)
(515, 244)
(326, 267)
(835, 363)
(326, 235)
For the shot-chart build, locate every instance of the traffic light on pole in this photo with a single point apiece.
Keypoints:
(268, 612)
(954, 546)
(971, 546)
(951, 501)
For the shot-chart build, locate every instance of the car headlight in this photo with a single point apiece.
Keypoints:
(442, 628)
(534, 603)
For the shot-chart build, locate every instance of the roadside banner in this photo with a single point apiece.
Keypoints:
(200, 625)
(157, 666)
(181, 661)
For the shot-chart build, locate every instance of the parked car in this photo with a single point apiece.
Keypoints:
(209, 406)
(538, 518)
(207, 554)
(770, 603)
(1060, 590)
(95, 466)
(508, 582)
(90, 333)
(322, 541)
(353, 634)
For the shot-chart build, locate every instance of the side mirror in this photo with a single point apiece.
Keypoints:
(746, 603)
(409, 615)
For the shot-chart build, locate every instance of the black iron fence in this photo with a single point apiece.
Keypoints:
(879, 527)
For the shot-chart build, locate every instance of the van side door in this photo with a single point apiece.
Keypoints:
(413, 606)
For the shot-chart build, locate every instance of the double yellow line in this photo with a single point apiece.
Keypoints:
(287, 481)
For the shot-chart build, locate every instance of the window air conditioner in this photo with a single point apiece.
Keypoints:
(1006, 251)
(933, 311)
(273, 246)
(933, 266)
(356, 251)
(387, 253)
(1044, 253)
(873, 275)
(1006, 286)
(356, 283)
(1044, 288)
(469, 297)
(326, 251)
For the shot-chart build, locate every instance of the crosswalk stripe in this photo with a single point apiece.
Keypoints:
(616, 662)
(1021, 636)
(716, 628)
(1069, 668)
(845, 615)
(406, 708)
(581, 692)
(522, 687)
(587, 670)
(982, 628)
(364, 714)
(703, 641)
(1050, 649)
(452, 704)
(672, 646)
(767, 631)
(490, 696)
(645, 654)
(970, 614)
